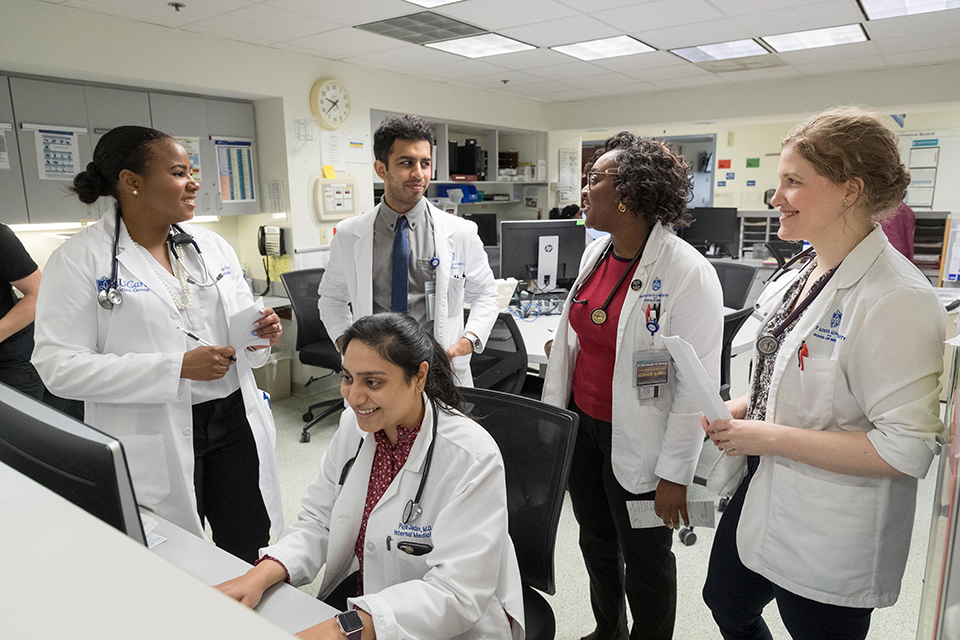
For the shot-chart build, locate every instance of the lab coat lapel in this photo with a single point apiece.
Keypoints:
(348, 512)
(444, 250)
(649, 258)
(415, 461)
(134, 262)
(363, 270)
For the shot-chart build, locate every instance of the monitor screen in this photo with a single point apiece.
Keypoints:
(719, 227)
(486, 227)
(520, 248)
(81, 464)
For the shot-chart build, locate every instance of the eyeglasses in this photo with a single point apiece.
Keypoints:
(592, 178)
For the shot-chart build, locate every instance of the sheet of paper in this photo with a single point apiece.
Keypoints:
(241, 327)
(4, 154)
(58, 154)
(356, 147)
(643, 516)
(153, 539)
(708, 398)
(235, 170)
(192, 147)
(331, 150)
(921, 157)
(149, 524)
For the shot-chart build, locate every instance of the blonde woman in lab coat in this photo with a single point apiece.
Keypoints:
(824, 453)
(409, 511)
(197, 433)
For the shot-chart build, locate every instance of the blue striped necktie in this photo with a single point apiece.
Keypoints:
(401, 268)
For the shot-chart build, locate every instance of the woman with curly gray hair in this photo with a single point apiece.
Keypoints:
(639, 436)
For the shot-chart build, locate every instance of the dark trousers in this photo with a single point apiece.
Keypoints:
(23, 377)
(226, 477)
(736, 595)
(620, 560)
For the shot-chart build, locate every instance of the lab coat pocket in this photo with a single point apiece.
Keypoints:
(809, 392)
(147, 460)
(455, 296)
(816, 529)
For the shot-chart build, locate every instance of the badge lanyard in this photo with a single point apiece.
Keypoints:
(767, 343)
(599, 315)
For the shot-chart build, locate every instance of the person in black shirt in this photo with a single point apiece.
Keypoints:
(18, 270)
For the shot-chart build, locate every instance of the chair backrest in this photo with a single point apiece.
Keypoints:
(493, 258)
(536, 441)
(735, 280)
(302, 289)
(731, 325)
(502, 365)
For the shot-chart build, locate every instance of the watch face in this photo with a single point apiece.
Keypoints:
(350, 622)
(333, 103)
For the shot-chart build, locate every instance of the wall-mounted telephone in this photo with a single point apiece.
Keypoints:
(270, 241)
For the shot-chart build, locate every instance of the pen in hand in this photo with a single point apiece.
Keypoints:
(202, 342)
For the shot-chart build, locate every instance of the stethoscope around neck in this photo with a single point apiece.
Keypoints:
(412, 510)
(111, 297)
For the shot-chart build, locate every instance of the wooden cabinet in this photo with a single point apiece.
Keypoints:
(13, 202)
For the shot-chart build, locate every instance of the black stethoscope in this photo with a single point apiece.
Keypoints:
(599, 315)
(111, 297)
(412, 510)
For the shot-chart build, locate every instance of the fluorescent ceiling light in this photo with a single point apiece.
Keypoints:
(488, 44)
(429, 4)
(816, 38)
(604, 48)
(877, 9)
(721, 51)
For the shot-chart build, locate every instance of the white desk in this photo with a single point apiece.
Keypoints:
(66, 574)
(285, 606)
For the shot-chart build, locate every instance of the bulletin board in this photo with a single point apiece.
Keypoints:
(933, 159)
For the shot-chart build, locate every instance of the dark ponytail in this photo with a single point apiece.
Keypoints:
(125, 147)
(401, 340)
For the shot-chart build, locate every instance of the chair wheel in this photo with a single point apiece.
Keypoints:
(308, 416)
(688, 537)
(724, 501)
(305, 436)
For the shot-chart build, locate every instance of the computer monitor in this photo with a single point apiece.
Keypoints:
(547, 251)
(486, 227)
(715, 231)
(83, 465)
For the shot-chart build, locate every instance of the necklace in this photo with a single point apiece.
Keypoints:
(183, 298)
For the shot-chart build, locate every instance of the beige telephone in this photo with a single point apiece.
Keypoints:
(333, 198)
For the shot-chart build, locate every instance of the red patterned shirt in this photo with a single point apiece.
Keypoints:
(387, 462)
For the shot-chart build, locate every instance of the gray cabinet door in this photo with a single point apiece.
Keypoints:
(109, 108)
(13, 203)
(234, 119)
(52, 104)
(186, 117)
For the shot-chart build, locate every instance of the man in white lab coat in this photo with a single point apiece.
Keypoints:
(408, 256)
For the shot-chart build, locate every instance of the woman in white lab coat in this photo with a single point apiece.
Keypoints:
(842, 418)
(409, 511)
(198, 434)
(639, 436)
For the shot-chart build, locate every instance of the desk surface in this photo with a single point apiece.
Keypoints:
(66, 574)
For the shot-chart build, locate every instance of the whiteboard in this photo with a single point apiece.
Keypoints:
(933, 160)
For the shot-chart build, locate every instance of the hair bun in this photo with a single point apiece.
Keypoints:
(90, 184)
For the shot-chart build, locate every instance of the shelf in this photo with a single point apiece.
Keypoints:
(489, 182)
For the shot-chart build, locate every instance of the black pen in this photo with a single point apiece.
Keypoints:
(202, 342)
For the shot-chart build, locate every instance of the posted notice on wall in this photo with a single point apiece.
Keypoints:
(192, 147)
(4, 152)
(569, 174)
(235, 168)
(58, 154)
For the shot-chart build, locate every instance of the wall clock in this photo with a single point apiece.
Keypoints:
(330, 102)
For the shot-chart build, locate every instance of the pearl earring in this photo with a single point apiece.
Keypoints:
(136, 193)
(844, 202)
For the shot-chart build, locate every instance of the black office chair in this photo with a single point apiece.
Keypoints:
(502, 366)
(536, 441)
(731, 325)
(314, 344)
(735, 280)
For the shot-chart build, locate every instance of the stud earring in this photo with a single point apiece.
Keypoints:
(136, 193)
(622, 207)
(844, 202)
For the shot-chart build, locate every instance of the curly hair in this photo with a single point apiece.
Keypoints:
(652, 180)
(406, 127)
(849, 143)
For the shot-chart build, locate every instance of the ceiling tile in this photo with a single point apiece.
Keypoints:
(750, 75)
(563, 31)
(260, 24)
(286, 46)
(826, 67)
(599, 80)
(684, 83)
(658, 14)
(599, 5)
(802, 18)
(571, 95)
(532, 58)
(690, 35)
(515, 78)
(463, 68)
(628, 88)
(569, 70)
(826, 54)
(742, 7)
(538, 89)
(922, 42)
(410, 56)
(501, 14)
(914, 58)
(347, 42)
(913, 25)
(687, 70)
(155, 12)
(347, 13)
(650, 60)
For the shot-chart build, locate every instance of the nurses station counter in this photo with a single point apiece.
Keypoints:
(66, 574)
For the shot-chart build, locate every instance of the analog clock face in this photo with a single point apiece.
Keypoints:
(330, 103)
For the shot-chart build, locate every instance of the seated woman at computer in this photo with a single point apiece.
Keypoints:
(197, 433)
(409, 511)
(639, 436)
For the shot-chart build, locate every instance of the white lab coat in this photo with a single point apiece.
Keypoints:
(875, 338)
(463, 275)
(466, 586)
(660, 437)
(125, 363)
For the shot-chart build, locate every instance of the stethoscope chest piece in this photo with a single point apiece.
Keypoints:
(109, 298)
(411, 511)
(767, 344)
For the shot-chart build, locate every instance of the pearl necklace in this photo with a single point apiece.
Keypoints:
(183, 298)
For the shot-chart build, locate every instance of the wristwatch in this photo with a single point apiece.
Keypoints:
(474, 340)
(350, 623)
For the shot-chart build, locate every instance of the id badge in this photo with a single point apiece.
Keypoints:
(653, 369)
(430, 289)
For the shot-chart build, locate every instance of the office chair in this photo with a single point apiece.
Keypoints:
(314, 344)
(731, 325)
(536, 441)
(503, 364)
(735, 280)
